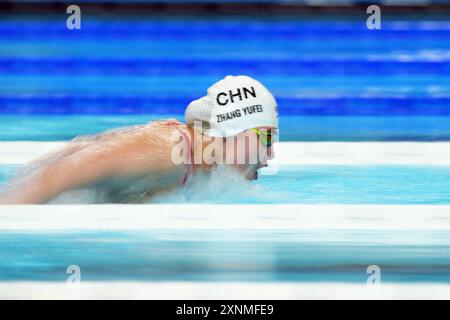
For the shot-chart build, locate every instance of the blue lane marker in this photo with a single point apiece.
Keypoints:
(342, 105)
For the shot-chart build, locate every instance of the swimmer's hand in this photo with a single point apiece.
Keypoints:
(84, 162)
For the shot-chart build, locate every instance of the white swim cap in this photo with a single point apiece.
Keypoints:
(233, 105)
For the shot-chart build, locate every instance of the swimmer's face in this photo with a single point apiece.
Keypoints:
(253, 154)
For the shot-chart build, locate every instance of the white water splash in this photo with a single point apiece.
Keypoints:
(221, 185)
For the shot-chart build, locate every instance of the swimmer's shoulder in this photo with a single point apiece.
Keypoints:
(157, 140)
(171, 131)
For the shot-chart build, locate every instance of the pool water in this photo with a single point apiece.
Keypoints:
(333, 78)
(331, 184)
(292, 128)
(226, 255)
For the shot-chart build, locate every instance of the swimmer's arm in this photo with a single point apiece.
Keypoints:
(90, 165)
(46, 182)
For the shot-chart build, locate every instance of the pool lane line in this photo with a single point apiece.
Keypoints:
(186, 290)
(341, 104)
(290, 153)
(267, 217)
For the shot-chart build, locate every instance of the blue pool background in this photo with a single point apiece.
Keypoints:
(333, 78)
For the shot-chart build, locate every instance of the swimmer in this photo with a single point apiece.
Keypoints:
(133, 164)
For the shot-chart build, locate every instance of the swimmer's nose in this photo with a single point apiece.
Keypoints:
(270, 153)
(262, 165)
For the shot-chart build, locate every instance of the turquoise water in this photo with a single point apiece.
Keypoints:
(333, 78)
(292, 128)
(316, 185)
(361, 185)
(226, 255)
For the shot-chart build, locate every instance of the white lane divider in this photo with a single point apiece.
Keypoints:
(213, 217)
(292, 153)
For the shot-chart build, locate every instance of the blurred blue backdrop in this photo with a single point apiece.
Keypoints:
(334, 78)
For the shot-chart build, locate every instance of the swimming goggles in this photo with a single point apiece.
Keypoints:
(264, 136)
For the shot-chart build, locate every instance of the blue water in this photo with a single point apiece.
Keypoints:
(316, 185)
(388, 84)
(226, 255)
